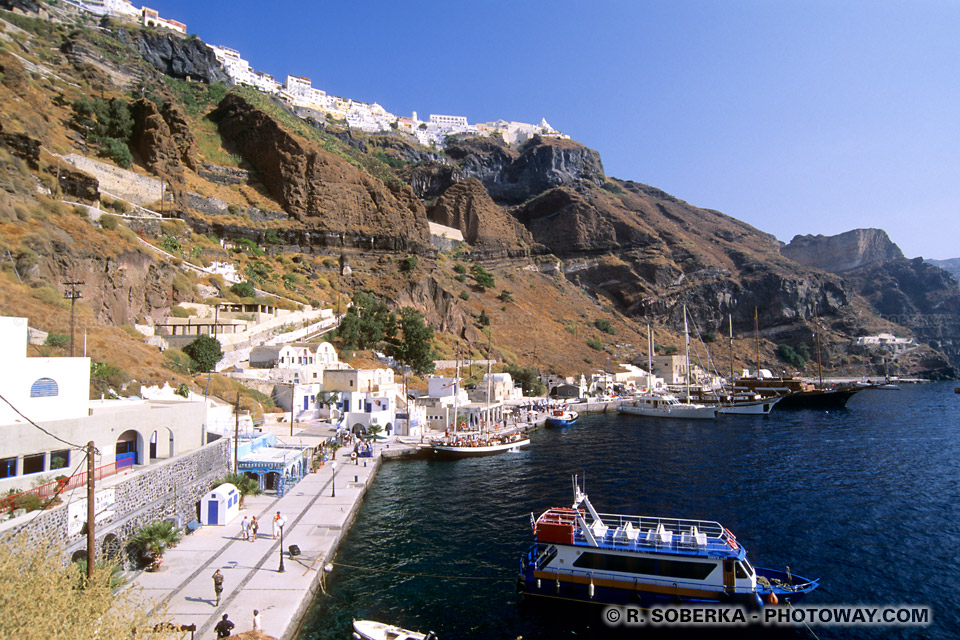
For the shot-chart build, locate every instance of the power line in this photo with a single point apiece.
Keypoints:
(58, 438)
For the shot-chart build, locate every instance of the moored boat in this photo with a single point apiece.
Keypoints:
(371, 630)
(473, 445)
(655, 404)
(562, 418)
(579, 554)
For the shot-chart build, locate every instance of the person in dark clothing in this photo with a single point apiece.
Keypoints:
(217, 585)
(224, 627)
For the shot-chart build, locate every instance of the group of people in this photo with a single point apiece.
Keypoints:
(249, 528)
(225, 627)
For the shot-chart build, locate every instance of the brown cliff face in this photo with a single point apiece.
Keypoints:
(468, 207)
(319, 189)
(163, 140)
(843, 252)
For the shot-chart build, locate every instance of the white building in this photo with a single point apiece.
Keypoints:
(54, 394)
(885, 340)
(151, 18)
(367, 397)
(121, 8)
(242, 73)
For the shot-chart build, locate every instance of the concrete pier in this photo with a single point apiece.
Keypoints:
(318, 512)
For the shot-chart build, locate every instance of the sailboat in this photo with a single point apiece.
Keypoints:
(473, 443)
(658, 403)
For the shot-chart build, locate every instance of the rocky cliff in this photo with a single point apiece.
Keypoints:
(163, 140)
(320, 190)
(510, 176)
(468, 207)
(843, 252)
(174, 55)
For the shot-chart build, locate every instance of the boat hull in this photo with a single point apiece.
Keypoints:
(560, 422)
(632, 591)
(758, 408)
(685, 413)
(454, 451)
(818, 399)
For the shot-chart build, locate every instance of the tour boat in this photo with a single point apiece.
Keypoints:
(466, 445)
(370, 630)
(562, 418)
(582, 555)
(660, 404)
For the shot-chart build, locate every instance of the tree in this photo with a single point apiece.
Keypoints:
(529, 379)
(367, 323)
(483, 278)
(246, 486)
(205, 353)
(415, 348)
(243, 289)
(41, 599)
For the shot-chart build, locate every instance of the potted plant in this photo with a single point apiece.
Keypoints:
(152, 540)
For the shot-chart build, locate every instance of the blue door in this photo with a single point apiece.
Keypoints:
(212, 512)
(306, 402)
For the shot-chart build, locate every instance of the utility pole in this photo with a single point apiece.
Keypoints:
(236, 434)
(293, 397)
(91, 511)
(72, 295)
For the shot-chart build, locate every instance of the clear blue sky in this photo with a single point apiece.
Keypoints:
(818, 116)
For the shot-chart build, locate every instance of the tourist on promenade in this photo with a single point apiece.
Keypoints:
(244, 528)
(217, 585)
(256, 621)
(278, 523)
(254, 525)
(224, 627)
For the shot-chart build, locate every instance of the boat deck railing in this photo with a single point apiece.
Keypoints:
(646, 533)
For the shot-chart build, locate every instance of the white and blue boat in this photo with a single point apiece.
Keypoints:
(562, 418)
(583, 555)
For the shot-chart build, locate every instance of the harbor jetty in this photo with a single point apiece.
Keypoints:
(318, 511)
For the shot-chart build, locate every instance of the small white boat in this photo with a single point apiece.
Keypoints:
(665, 405)
(370, 630)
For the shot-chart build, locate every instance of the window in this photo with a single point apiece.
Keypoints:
(44, 388)
(649, 566)
(8, 467)
(59, 459)
(33, 463)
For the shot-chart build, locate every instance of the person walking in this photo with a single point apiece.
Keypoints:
(224, 627)
(277, 523)
(254, 525)
(256, 621)
(217, 585)
(244, 528)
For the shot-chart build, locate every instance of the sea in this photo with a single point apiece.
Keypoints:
(866, 498)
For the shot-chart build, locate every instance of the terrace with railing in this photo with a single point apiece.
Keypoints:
(47, 493)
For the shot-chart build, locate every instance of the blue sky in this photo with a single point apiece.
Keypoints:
(817, 116)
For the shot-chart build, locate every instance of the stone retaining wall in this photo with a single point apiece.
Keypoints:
(170, 489)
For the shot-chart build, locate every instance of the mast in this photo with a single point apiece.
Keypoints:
(456, 391)
(756, 329)
(816, 320)
(649, 358)
(686, 339)
(730, 316)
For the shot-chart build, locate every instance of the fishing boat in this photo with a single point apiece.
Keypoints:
(370, 630)
(562, 418)
(660, 404)
(582, 555)
(473, 444)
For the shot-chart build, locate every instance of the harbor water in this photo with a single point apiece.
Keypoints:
(866, 498)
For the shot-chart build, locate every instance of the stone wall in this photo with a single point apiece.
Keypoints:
(171, 489)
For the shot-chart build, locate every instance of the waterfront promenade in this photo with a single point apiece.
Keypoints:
(316, 522)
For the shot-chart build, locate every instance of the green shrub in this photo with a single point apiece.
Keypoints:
(182, 285)
(464, 295)
(709, 337)
(109, 221)
(117, 150)
(243, 289)
(459, 268)
(787, 353)
(180, 312)
(604, 325)
(595, 344)
(57, 340)
(177, 361)
(171, 245)
(408, 264)
(505, 296)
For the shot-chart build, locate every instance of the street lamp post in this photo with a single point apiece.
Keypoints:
(333, 482)
(281, 569)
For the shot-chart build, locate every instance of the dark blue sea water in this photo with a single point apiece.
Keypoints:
(866, 498)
